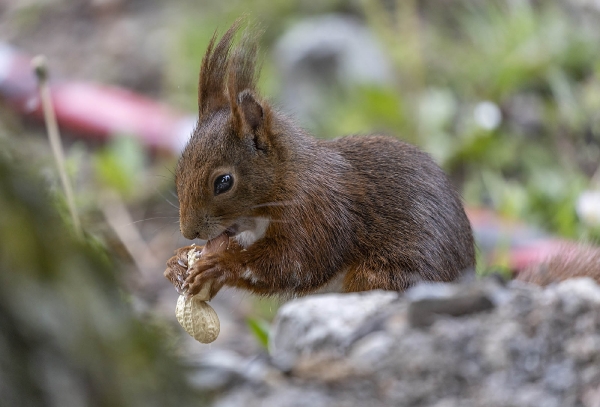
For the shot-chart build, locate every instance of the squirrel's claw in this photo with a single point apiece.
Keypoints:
(196, 285)
(203, 272)
(177, 269)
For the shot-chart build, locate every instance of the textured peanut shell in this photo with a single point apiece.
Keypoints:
(193, 256)
(195, 316)
(198, 318)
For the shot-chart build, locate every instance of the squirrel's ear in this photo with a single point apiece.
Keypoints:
(251, 110)
(213, 76)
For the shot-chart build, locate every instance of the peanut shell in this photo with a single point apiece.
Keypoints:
(195, 316)
(198, 318)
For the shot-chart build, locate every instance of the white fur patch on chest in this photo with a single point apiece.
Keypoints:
(249, 275)
(248, 237)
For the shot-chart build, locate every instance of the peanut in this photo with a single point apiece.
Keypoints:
(195, 316)
(198, 318)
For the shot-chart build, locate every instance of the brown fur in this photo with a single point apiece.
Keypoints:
(569, 262)
(372, 206)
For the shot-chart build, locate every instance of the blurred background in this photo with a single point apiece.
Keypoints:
(504, 94)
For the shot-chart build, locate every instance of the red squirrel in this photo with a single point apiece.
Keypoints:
(371, 212)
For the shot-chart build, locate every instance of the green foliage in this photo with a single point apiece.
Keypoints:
(67, 336)
(119, 165)
(361, 110)
(260, 329)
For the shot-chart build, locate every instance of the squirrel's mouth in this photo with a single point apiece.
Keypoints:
(232, 230)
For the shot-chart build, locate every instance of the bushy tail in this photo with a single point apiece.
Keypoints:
(571, 262)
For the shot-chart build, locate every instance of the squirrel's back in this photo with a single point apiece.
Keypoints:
(412, 219)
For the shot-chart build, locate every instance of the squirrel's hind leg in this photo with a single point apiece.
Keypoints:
(372, 276)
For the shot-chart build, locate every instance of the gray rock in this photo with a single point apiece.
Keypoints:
(425, 312)
(534, 347)
(321, 324)
(319, 53)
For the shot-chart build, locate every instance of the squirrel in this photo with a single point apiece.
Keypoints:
(371, 212)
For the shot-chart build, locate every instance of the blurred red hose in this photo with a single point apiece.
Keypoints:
(90, 110)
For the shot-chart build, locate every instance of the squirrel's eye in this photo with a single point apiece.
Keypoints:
(223, 183)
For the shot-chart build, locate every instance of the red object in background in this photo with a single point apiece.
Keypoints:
(514, 243)
(90, 110)
(537, 252)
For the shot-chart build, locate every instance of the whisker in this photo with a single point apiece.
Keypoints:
(160, 228)
(162, 176)
(170, 171)
(166, 199)
(270, 204)
(157, 217)
(260, 217)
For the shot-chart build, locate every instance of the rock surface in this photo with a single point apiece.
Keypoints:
(321, 324)
(470, 344)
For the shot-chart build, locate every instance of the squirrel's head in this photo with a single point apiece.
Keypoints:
(227, 172)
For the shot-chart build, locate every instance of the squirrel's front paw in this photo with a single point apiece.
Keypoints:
(177, 268)
(205, 269)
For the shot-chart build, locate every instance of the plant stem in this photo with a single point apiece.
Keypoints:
(41, 71)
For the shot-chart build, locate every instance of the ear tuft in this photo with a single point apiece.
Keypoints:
(213, 72)
(251, 110)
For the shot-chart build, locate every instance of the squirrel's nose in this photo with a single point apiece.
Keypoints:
(188, 231)
(189, 235)
(193, 224)
(188, 224)
(192, 232)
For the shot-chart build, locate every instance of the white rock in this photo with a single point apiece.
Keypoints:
(321, 323)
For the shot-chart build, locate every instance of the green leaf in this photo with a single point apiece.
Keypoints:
(260, 329)
(119, 164)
